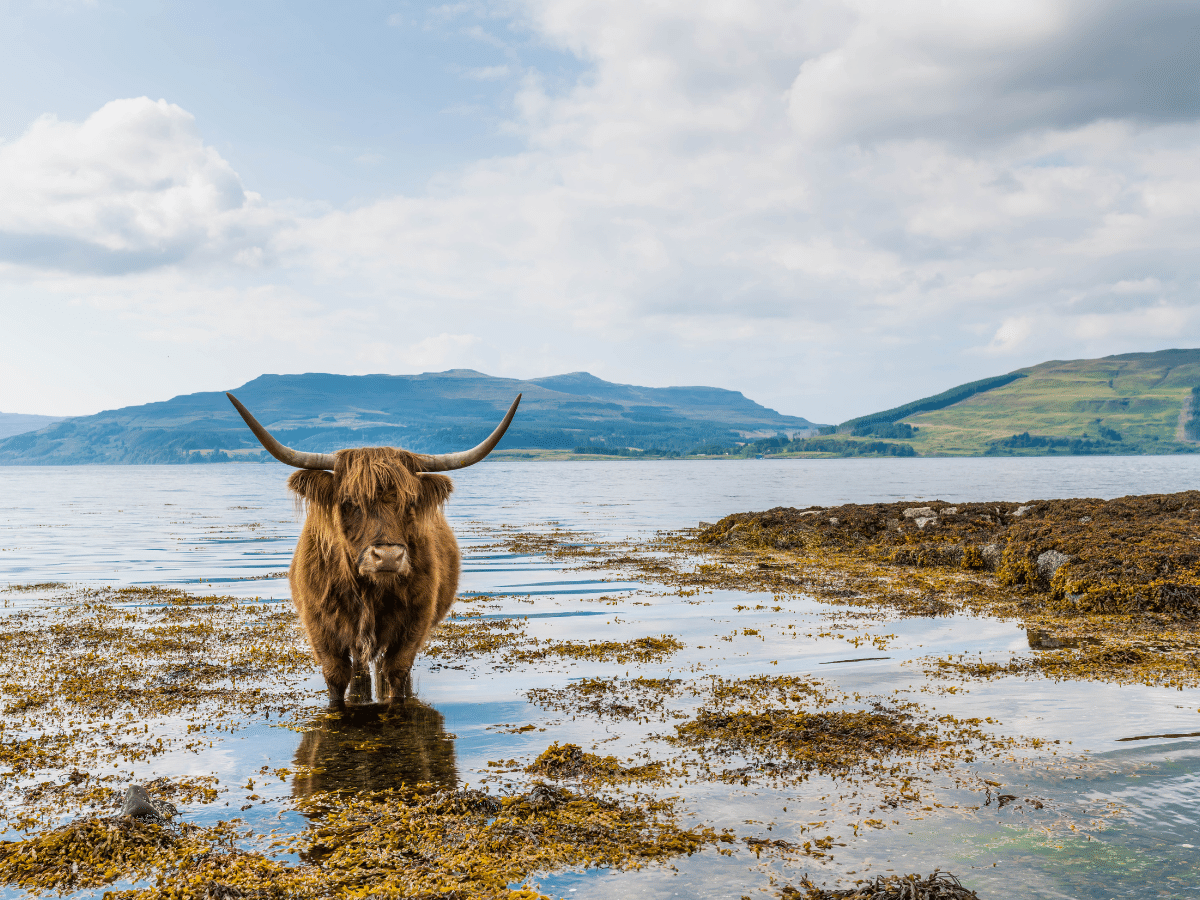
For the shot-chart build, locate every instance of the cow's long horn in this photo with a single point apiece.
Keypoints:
(444, 462)
(297, 458)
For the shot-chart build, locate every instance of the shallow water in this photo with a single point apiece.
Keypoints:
(229, 530)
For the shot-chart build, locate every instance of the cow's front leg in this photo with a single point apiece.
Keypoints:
(396, 668)
(337, 669)
(360, 681)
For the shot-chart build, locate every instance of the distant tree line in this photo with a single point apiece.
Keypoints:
(894, 430)
(632, 453)
(781, 443)
(851, 448)
(1110, 441)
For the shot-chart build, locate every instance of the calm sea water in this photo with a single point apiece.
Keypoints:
(220, 528)
(126, 524)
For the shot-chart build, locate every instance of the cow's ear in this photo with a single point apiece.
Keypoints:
(313, 485)
(435, 490)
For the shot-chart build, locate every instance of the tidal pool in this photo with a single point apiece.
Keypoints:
(1090, 812)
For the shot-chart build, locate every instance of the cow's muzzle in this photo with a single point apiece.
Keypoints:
(384, 559)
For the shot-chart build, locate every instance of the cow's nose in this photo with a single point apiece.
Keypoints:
(385, 557)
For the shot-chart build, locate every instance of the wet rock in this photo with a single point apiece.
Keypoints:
(951, 555)
(567, 761)
(992, 555)
(938, 886)
(950, 511)
(479, 801)
(1050, 562)
(1029, 802)
(543, 796)
(139, 805)
(1177, 598)
(922, 515)
(215, 890)
(1020, 511)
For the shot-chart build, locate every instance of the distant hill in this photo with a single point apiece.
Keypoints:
(434, 412)
(19, 423)
(1127, 404)
(865, 424)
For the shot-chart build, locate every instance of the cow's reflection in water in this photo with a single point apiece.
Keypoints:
(374, 746)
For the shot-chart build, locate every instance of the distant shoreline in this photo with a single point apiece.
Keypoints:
(536, 456)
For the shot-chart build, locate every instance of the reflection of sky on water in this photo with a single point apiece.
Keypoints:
(219, 529)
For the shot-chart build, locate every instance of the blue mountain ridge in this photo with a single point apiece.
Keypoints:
(432, 413)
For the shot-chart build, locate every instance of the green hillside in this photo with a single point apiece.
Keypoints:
(876, 423)
(1132, 403)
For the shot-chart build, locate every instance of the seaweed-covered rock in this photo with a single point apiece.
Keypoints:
(938, 886)
(1137, 554)
(991, 554)
(1050, 562)
(570, 761)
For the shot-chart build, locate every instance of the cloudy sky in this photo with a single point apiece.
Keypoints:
(833, 206)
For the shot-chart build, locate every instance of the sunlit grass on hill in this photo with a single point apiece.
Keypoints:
(1125, 404)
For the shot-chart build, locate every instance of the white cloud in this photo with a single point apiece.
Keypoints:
(131, 187)
(1011, 335)
(443, 351)
(1142, 286)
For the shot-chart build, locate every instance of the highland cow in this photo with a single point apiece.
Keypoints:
(376, 567)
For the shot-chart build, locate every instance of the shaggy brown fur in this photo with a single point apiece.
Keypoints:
(376, 567)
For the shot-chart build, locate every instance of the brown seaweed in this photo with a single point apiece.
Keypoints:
(938, 886)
